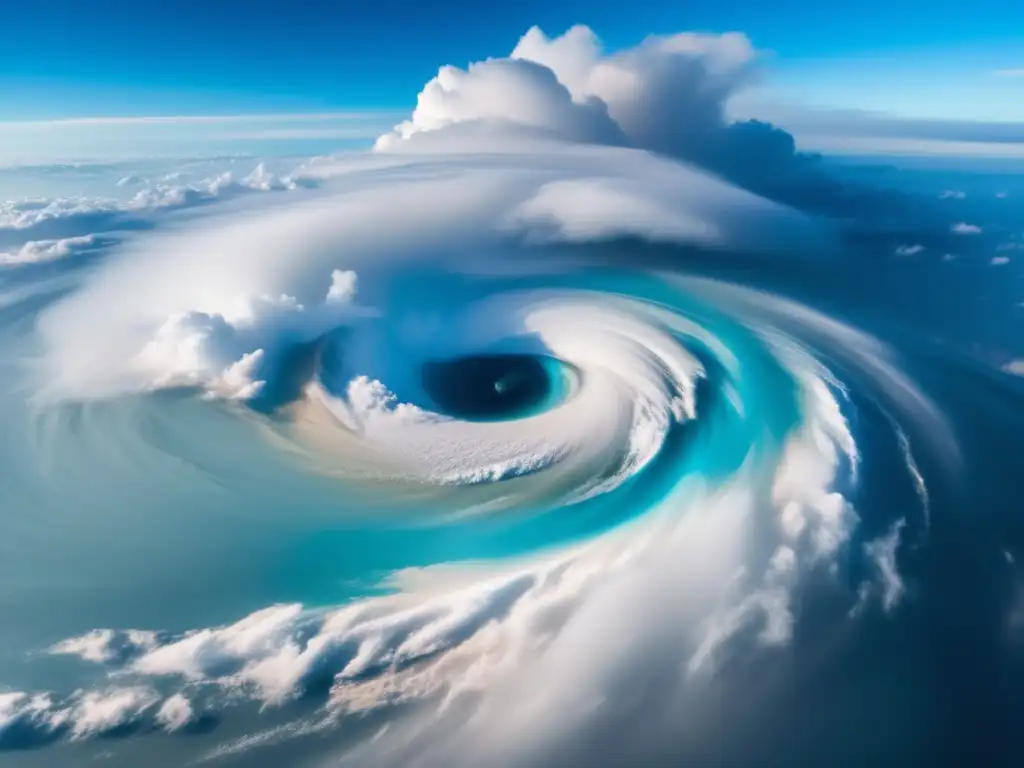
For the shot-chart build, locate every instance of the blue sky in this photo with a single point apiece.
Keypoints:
(68, 58)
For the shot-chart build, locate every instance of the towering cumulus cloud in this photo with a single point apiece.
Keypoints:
(451, 463)
(667, 95)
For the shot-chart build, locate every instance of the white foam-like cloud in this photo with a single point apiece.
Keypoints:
(49, 229)
(505, 92)
(36, 713)
(263, 180)
(175, 713)
(239, 381)
(40, 251)
(343, 286)
(999, 261)
(667, 94)
(224, 353)
(41, 718)
(98, 712)
(963, 228)
(106, 645)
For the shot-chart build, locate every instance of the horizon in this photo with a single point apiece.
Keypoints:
(861, 80)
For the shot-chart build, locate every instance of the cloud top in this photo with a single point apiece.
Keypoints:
(667, 94)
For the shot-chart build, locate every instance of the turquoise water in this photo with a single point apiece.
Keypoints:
(167, 511)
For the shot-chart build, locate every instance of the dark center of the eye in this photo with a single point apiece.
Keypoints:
(488, 387)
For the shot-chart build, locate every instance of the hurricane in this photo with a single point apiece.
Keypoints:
(554, 430)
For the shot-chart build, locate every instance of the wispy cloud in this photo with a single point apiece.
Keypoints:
(370, 131)
(1009, 72)
(963, 228)
(106, 138)
(853, 131)
(870, 145)
(909, 250)
(187, 120)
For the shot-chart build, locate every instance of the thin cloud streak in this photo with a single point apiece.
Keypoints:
(297, 134)
(871, 145)
(201, 119)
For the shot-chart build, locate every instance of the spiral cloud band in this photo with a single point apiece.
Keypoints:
(541, 478)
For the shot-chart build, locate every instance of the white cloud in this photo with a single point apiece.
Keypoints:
(915, 474)
(97, 712)
(882, 552)
(239, 381)
(50, 229)
(505, 92)
(854, 131)
(952, 194)
(999, 261)
(175, 713)
(595, 209)
(223, 353)
(1009, 73)
(963, 228)
(667, 94)
(130, 180)
(263, 180)
(39, 251)
(1015, 367)
(343, 286)
(367, 220)
(34, 712)
(106, 645)
(909, 250)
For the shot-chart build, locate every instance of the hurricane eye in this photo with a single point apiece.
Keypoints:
(492, 387)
